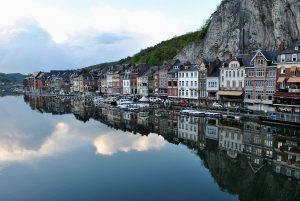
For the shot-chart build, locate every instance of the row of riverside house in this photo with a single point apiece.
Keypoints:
(266, 81)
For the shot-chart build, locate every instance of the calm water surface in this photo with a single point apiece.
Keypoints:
(54, 149)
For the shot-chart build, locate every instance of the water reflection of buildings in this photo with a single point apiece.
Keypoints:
(231, 139)
(287, 154)
(247, 151)
(258, 144)
(49, 104)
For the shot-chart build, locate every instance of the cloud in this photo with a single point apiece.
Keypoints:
(29, 47)
(13, 150)
(110, 144)
(40, 35)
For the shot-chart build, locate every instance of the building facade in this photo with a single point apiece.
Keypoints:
(260, 81)
(188, 78)
(232, 74)
(287, 96)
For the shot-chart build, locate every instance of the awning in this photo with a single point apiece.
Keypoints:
(281, 79)
(230, 93)
(293, 68)
(294, 80)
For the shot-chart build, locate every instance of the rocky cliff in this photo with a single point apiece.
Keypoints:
(243, 25)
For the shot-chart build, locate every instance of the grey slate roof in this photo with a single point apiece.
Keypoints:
(241, 58)
(291, 48)
(271, 56)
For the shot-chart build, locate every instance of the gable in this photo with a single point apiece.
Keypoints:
(258, 53)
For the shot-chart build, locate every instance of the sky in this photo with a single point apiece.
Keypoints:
(40, 35)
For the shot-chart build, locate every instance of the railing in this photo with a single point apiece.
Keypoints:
(294, 91)
(232, 99)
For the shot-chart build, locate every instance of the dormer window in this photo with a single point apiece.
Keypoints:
(282, 59)
(297, 47)
(294, 57)
(282, 70)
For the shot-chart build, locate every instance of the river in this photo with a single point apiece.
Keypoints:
(54, 149)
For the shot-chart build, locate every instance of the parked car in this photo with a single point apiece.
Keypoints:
(184, 103)
(217, 105)
(154, 99)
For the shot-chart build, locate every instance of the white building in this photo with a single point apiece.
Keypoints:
(126, 84)
(231, 140)
(212, 87)
(142, 85)
(232, 78)
(109, 82)
(188, 82)
(74, 81)
(188, 128)
(212, 132)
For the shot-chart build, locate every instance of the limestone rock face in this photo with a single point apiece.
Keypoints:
(240, 26)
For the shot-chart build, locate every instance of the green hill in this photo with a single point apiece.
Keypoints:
(163, 51)
(167, 50)
(13, 78)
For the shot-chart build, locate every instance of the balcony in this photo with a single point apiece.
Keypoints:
(294, 91)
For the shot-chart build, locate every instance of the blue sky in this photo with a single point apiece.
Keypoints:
(55, 34)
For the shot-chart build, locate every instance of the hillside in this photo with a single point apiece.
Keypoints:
(161, 52)
(240, 26)
(167, 50)
(13, 78)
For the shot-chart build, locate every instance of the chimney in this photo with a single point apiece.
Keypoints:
(230, 56)
(281, 46)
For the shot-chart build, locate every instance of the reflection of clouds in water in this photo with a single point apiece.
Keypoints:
(14, 151)
(65, 138)
(110, 144)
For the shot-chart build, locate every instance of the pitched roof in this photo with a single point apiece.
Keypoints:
(270, 56)
(241, 58)
(292, 48)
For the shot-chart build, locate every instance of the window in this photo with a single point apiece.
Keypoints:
(282, 70)
(241, 84)
(191, 83)
(242, 73)
(196, 83)
(229, 73)
(260, 62)
(233, 83)
(294, 57)
(233, 73)
(293, 73)
(186, 92)
(260, 73)
(250, 73)
(228, 83)
(238, 73)
(192, 74)
(226, 73)
(222, 78)
(282, 58)
(186, 83)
